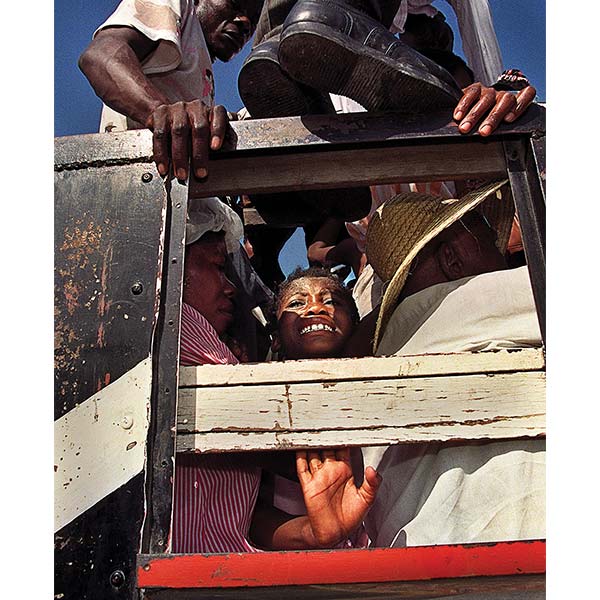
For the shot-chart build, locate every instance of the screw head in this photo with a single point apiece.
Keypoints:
(137, 288)
(117, 578)
(147, 177)
(127, 422)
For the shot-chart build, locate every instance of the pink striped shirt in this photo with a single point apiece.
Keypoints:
(214, 496)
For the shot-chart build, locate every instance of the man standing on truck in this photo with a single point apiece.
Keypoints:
(152, 62)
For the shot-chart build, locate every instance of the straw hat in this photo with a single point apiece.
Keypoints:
(402, 226)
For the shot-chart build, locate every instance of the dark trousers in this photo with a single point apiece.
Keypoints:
(274, 13)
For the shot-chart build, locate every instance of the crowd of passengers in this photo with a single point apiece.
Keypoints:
(427, 268)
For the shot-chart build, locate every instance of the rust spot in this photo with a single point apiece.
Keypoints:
(100, 337)
(289, 403)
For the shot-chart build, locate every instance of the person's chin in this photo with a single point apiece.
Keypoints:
(320, 349)
(226, 50)
(222, 322)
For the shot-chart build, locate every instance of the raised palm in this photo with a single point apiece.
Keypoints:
(335, 506)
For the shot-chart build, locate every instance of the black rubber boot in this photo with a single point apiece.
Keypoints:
(330, 46)
(267, 91)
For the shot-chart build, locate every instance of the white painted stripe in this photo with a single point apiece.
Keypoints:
(101, 444)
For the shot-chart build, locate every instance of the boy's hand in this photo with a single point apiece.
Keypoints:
(335, 506)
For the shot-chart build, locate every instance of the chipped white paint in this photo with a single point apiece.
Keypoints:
(101, 444)
(476, 396)
(529, 359)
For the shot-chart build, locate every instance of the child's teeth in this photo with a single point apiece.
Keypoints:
(316, 327)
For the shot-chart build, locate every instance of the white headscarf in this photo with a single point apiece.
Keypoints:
(210, 214)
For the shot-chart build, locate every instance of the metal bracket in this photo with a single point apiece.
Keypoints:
(530, 204)
(161, 444)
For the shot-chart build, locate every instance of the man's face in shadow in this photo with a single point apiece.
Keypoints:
(466, 248)
(205, 285)
(227, 25)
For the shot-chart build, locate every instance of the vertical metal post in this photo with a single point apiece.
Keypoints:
(161, 446)
(530, 204)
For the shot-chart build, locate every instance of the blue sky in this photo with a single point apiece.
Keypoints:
(520, 28)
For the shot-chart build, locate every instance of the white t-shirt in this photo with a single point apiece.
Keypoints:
(180, 67)
(462, 492)
(486, 312)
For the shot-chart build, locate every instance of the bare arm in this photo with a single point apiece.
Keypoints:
(113, 65)
(361, 340)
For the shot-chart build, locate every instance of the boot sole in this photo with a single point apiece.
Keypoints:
(342, 66)
(269, 93)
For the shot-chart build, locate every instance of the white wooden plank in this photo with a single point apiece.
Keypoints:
(362, 412)
(529, 359)
(101, 444)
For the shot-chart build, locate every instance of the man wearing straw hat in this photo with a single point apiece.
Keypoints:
(448, 289)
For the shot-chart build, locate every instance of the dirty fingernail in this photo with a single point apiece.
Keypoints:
(162, 169)
(201, 173)
(181, 174)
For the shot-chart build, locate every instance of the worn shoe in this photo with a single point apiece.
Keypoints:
(267, 91)
(333, 48)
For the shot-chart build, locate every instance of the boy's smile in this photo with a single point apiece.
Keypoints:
(314, 319)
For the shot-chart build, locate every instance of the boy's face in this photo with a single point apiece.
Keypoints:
(314, 319)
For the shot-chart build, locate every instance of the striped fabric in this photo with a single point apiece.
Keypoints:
(214, 495)
(200, 344)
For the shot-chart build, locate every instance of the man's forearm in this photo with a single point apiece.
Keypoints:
(114, 71)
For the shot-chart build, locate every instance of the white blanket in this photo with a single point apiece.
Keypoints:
(464, 492)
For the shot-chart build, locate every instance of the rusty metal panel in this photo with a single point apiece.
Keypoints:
(109, 237)
(108, 252)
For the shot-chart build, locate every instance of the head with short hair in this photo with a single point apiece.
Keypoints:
(417, 240)
(227, 25)
(315, 313)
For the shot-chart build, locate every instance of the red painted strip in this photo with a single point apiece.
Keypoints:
(340, 566)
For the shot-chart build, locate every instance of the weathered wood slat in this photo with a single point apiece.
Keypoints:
(328, 168)
(363, 128)
(503, 361)
(369, 412)
(289, 133)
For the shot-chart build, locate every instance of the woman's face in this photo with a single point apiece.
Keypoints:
(314, 319)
